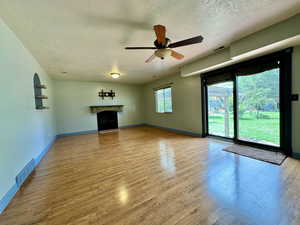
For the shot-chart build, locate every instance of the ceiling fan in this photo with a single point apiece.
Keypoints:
(162, 46)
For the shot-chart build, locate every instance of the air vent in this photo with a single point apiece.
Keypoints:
(219, 49)
(25, 172)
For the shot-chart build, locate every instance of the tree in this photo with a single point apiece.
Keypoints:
(258, 91)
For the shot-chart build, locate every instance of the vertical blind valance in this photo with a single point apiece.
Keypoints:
(163, 86)
(218, 78)
(258, 67)
(247, 68)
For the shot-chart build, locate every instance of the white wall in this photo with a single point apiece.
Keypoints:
(73, 98)
(25, 132)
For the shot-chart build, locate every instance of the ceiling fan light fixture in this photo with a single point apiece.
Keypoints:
(162, 47)
(115, 75)
(163, 53)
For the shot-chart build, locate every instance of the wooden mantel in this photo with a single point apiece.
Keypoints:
(101, 108)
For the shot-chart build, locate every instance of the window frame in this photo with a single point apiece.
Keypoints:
(164, 99)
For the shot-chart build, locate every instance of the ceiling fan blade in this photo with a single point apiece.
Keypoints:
(150, 59)
(134, 48)
(176, 55)
(189, 41)
(160, 32)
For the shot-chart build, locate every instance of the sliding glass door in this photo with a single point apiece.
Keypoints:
(250, 102)
(220, 109)
(258, 107)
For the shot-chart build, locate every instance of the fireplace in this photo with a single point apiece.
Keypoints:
(107, 120)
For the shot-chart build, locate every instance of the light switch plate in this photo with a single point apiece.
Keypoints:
(295, 97)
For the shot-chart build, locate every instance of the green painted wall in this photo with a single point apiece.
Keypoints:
(186, 94)
(296, 105)
(25, 132)
(275, 33)
(73, 98)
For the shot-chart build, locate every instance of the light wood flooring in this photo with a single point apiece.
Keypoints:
(148, 176)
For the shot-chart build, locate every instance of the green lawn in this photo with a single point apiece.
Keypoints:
(264, 130)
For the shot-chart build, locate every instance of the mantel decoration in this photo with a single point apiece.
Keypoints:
(104, 94)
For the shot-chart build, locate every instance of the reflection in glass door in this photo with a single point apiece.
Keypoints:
(258, 108)
(220, 109)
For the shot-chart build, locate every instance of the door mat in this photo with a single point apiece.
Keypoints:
(256, 153)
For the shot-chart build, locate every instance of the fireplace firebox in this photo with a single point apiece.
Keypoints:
(107, 120)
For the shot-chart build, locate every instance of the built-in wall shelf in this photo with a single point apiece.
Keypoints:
(41, 86)
(42, 107)
(41, 97)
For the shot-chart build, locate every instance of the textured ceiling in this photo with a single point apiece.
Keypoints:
(86, 38)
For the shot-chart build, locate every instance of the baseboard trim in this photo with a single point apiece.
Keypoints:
(8, 197)
(77, 133)
(95, 131)
(134, 125)
(43, 153)
(4, 202)
(296, 155)
(189, 133)
(25, 172)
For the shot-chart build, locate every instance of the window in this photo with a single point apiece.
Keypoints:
(163, 100)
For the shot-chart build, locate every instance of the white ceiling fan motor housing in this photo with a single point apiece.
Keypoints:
(163, 53)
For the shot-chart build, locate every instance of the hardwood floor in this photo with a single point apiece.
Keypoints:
(143, 175)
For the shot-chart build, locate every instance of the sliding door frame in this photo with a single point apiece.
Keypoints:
(229, 74)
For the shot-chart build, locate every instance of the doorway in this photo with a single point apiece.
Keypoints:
(250, 102)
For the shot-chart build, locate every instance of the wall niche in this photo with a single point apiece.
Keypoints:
(39, 97)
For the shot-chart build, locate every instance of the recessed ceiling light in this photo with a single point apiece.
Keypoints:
(115, 75)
